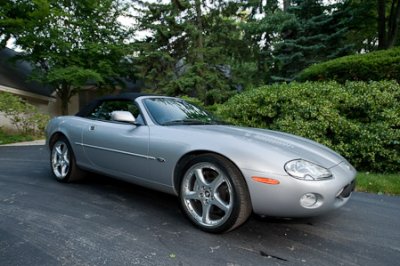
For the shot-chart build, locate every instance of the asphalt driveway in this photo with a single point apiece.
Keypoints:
(101, 221)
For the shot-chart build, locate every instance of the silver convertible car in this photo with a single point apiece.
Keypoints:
(221, 173)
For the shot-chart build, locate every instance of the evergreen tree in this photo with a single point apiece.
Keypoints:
(263, 23)
(190, 49)
(315, 32)
(362, 27)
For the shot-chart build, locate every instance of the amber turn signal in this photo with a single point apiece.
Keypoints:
(265, 180)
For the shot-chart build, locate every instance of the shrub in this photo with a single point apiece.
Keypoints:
(359, 120)
(374, 66)
(24, 116)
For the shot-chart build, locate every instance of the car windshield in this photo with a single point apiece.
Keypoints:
(171, 111)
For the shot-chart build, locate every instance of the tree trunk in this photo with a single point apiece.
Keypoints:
(286, 5)
(381, 24)
(393, 23)
(64, 94)
(199, 25)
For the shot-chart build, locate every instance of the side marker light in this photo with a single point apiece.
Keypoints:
(265, 180)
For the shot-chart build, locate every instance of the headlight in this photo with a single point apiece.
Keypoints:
(305, 170)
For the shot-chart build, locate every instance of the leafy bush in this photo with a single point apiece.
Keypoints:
(380, 65)
(359, 120)
(24, 116)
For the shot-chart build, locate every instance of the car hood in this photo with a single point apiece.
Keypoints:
(294, 147)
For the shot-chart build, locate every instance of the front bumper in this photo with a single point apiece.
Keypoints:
(284, 199)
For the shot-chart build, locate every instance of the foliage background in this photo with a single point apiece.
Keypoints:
(360, 120)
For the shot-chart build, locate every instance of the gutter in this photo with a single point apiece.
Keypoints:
(27, 94)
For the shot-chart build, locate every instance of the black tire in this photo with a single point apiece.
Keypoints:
(213, 194)
(63, 163)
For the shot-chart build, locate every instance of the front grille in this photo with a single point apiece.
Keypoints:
(348, 189)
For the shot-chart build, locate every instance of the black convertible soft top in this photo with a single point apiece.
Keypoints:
(131, 96)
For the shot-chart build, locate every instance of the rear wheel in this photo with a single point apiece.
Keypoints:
(62, 162)
(214, 194)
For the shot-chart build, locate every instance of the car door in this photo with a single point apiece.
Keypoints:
(116, 148)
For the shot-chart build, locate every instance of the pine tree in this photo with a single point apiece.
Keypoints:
(264, 20)
(190, 48)
(315, 33)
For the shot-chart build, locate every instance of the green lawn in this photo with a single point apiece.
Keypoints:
(379, 183)
(6, 138)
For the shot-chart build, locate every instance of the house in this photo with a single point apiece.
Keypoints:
(15, 79)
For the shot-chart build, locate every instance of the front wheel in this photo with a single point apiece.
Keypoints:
(214, 194)
(62, 162)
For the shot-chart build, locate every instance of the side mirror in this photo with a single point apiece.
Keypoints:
(123, 116)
